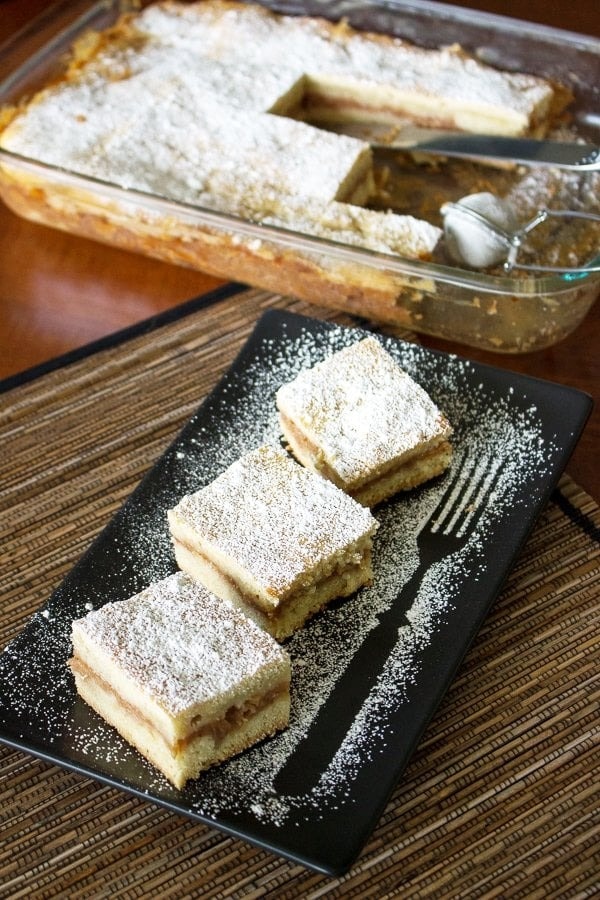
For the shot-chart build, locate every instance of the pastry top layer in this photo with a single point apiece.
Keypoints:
(179, 645)
(274, 519)
(362, 411)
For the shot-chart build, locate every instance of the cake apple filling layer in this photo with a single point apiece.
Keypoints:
(353, 102)
(363, 423)
(274, 539)
(233, 718)
(342, 579)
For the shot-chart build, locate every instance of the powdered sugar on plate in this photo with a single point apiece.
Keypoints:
(493, 421)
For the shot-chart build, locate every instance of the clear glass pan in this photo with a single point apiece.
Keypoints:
(510, 314)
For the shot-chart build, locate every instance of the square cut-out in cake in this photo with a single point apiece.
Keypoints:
(274, 538)
(184, 677)
(362, 422)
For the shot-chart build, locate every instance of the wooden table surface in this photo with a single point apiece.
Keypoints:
(58, 292)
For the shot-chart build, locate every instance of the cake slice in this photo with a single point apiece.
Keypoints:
(363, 423)
(185, 678)
(274, 538)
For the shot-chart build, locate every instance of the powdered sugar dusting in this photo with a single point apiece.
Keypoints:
(490, 421)
(192, 102)
(250, 35)
(156, 131)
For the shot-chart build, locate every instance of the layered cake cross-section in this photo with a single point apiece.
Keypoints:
(362, 422)
(184, 677)
(274, 538)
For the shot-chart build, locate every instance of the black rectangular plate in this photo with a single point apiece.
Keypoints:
(292, 795)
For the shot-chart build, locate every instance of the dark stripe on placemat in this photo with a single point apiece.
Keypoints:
(121, 336)
(577, 515)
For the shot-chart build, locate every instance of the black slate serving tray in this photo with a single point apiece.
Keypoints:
(314, 793)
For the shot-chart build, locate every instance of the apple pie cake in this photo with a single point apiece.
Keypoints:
(184, 677)
(362, 422)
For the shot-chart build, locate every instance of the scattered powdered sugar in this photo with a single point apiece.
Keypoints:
(491, 422)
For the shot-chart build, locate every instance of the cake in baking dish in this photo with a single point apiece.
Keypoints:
(363, 423)
(214, 104)
(184, 677)
(274, 538)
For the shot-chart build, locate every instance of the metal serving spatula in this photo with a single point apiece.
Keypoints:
(489, 148)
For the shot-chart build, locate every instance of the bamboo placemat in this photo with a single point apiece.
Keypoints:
(501, 798)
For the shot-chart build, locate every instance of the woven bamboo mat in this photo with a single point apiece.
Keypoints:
(501, 797)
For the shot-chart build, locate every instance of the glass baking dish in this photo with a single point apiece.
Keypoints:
(506, 313)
